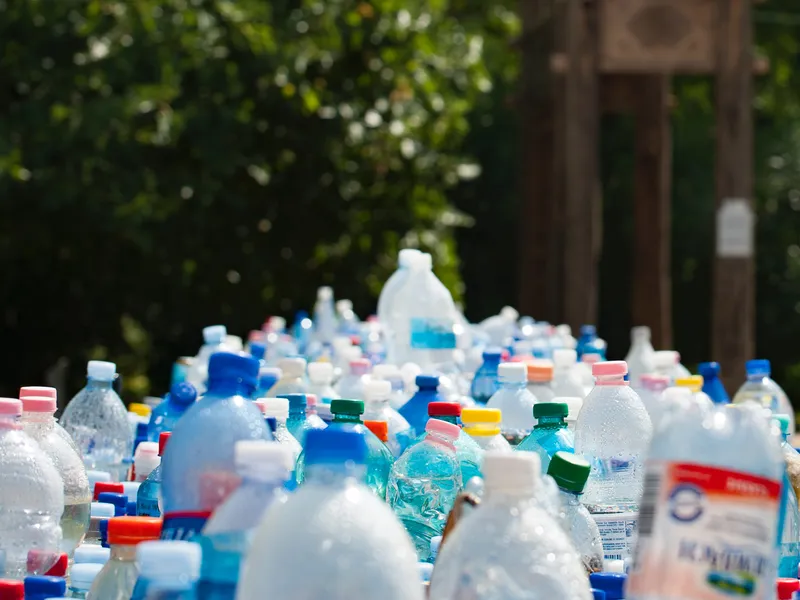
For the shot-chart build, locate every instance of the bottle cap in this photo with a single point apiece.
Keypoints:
(163, 438)
(610, 368)
(146, 449)
(258, 349)
(292, 367)
(475, 416)
(228, 366)
(784, 422)
(10, 407)
(44, 586)
(786, 587)
(492, 355)
(47, 562)
(90, 554)
(759, 366)
(103, 510)
(82, 575)
(335, 446)
(613, 584)
(173, 560)
(119, 501)
(406, 256)
(427, 382)
(444, 409)
(269, 374)
(132, 530)
(183, 393)
(140, 409)
(11, 590)
(276, 407)
(297, 402)
(656, 383)
(569, 471)
(214, 334)
(540, 371)
(664, 360)
(320, 372)
(550, 409)
(131, 488)
(261, 457)
(325, 293)
(513, 372)
(693, 382)
(588, 330)
(107, 486)
(38, 404)
(564, 357)
(598, 594)
(39, 391)
(511, 472)
(101, 370)
(341, 406)
(708, 370)
(640, 333)
(385, 371)
(443, 429)
(131, 511)
(379, 428)
(376, 390)
(359, 366)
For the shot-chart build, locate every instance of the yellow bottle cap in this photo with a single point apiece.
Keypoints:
(471, 416)
(482, 430)
(140, 409)
(693, 382)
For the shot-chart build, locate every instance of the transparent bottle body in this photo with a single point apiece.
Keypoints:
(485, 383)
(547, 440)
(148, 498)
(582, 530)
(516, 404)
(117, 579)
(400, 432)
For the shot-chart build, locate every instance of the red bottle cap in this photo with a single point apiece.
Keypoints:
(107, 486)
(162, 441)
(444, 409)
(130, 531)
(786, 587)
(11, 590)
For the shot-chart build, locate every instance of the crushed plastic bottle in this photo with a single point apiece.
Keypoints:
(486, 381)
(515, 402)
(168, 570)
(377, 408)
(550, 434)
(760, 388)
(482, 425)
(214, 340)
(164, 416)
(641, 356)
(712, 384)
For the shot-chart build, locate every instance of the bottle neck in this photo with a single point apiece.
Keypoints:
(513, 385)
(123, 552)
(756, 377)
(262, 476)
(550, 423)
(38, 424)
(338, 474)
(342, 418)
(446, 418)
(225, 388)
(96, 384)
(613, 380)
(297, 413)
(568, 497)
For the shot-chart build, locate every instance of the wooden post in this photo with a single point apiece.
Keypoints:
(582, 218)
(652, 280)
(733, 309)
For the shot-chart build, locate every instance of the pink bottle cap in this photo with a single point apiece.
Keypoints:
(38, 404)
(37, 390)
(359, 365)
(443, 428)
(610, 368)
(653, 381)
(10, 407)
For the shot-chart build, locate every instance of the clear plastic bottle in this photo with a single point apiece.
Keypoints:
(570, 473)
(712, 384)
(668, 362)
(760, 388)
(709, 514)
(264, 467)
(415, 411)
(566, 383)
(293, 378)
(424, 483)
(81, 578)
(351, 385)
(146, 459)
(790, 536)
(325, 324)
(386, 299)
(509, 547)
(694, 383)
(98, 422)
(168, 570)
(214, 337)
(320, 375)
(515, 402)
(540, 379)
(651, 388)
(486, 381)
(164, 416)
(31, 497)
(49, 392)
(583, 370)
(299, 422)
(392, 374)
(482, 425)
(550, 434)
(355, 545)
(197, 475)
(148, 497)
(117, 578)
(612, 407)
(38, 422)
(279, 409)
(377, 408)
(641, 356)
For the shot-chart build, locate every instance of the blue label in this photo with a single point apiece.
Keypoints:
(432, 334)
(147, 507)
(183, 526)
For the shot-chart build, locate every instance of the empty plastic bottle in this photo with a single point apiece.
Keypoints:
(668, 362)
(760, 388)
(320, 375)
(355, 543)
(279, 409)
(325, 324)
(570, 473)
(705, 470)
(566, 383)
(148, 498)
(293, 378)
(641, 356)
(550, 434)
(146, 459)
(694, 383)
(198, 475)
(509, 547)
(387, 296)
(42, 587)
(651, 388)
(483, 427)
(31, 497)
(38, 422)
(424, 483)
(415, 411)
(487, 380)
(377, 408)
(98, 422)
(540, 379)
(82, 576)
(589, 342)
(515, 402)
(48, 392)
(117, 578)
(790, 536)
(168, 570)
(214, 340)
(392, 374)
(610, 408)
(712, 384)
(351, 385)
(299, 422)
(267, 378)
(164, 416)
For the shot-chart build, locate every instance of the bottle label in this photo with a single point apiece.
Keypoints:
(432, 334)
(618, 532)
(147, 507)
(183, 525)
(705, 533)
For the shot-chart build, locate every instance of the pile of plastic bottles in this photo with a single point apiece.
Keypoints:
(410, 455)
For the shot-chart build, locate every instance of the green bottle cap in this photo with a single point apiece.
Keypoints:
(569, 471)
(347, 407)
(550, 409)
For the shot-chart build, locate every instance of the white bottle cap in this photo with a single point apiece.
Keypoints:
(169, 561)
(101, 370)
(146, 459)
(511, 472)
(261, 457)
(325, 293)
(234, 343)
(91, 554)
(104, 510)
(82, 575)
(509, 313)
(564, 330)
(292, 367)
(386, 371)
(130, 489)
(664, 360)
(640, 333)
(376, 390)
(276, 407)
(514, 372)
(214, 334)
(406, 256)
(564, 357)
(573, 403)
(423, 261)
(320, 372)
(344, 305)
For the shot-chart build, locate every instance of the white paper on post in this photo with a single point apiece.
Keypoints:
(735, 229)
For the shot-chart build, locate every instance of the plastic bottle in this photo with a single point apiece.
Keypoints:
(486, 381)
(214, 337)
(641, 356)
(424, 483)
(583, 370)
(38, 422)
(320, 375)
(198, 475)
(790, 536)
(589, 342)
(651, 388)
(515, 402)
(42, 587)
(566, 383)
(705, 470)
(509, 547)
(351, 385)
(293, 378)
(355, 544)
(482, 425)
(31, 496)
(667, 362)
(712, 384)
(377, 408)
(550, 434)
(574, 406)
(760, 388)
(164, 416)
(611, 407)
(540, 379)
(299, 422)
(415, 411)
(117, 578)
(81, 578)
(279, 409)
(324, 316)
(48, 392)
(694, 383)
(392, 374)
(98, 422)
(500, 328)
(90, 554)
(167, 570)
(146, 459)
(611, 584)
(570, 473)
(385, 301)
(267, 378)
(148, 498)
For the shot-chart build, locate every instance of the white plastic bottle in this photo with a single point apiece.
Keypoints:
(668, 362)
(214, 340)
(320, 376)
(709, 514)
(514, 401)
(351, 385)
(404, 259)
(293, 377)
(509, 547)
(641, 356)
(566, 383)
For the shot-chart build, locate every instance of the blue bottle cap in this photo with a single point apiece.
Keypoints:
(335, 446)
(130, 510)
(758, 366)
(183, 393)
(272, 423)
(296, 401)
(38, 587)
(598, 594)
(613, 584)
(120, 502)
(492, 354)
(102, 528)
(231, 366)
(588, 330)
(427, 382)
(708, 370)
(257, 350)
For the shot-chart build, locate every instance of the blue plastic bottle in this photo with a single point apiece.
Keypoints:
(550, 434)
(761, 388)
(168, 570)
(199, 472)
(267, 378)
(165, 416)
(299, 423)
(589, 342)
(415, 411)
(41, 587)
(712, 384)
(486, 381)
(147, 498)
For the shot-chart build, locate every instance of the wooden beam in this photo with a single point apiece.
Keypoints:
(652, 280)
(733, 309)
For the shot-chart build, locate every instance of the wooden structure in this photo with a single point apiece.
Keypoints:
(583, 57)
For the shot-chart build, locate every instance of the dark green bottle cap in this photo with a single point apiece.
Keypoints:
(550, 409)
(347, 407)
(569, 471)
